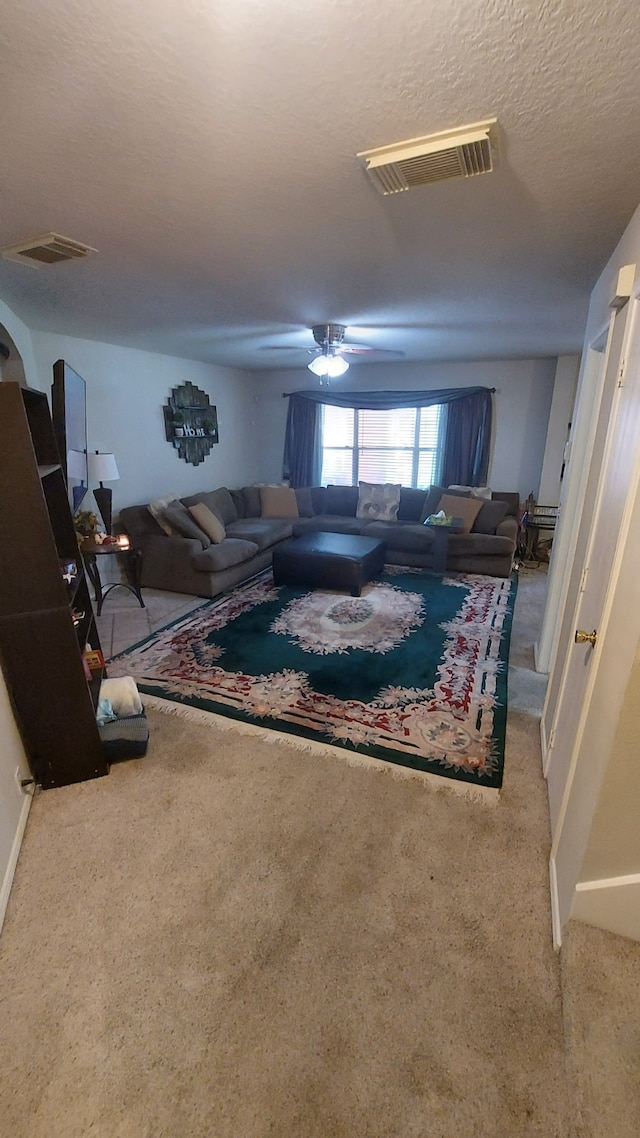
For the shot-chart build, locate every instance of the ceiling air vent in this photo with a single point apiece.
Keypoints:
(47, 250)
(460, 153)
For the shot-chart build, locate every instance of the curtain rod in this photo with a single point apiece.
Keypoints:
(288, 394)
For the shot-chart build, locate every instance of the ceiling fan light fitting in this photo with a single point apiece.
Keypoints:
(330, 365)
(319, 366)
(337, 365)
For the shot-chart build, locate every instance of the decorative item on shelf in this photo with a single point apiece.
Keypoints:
(93, 658)
(191, 423)
(87, 527)
(69, 570)
(103, 468)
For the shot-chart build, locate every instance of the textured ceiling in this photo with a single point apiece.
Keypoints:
(207, 149)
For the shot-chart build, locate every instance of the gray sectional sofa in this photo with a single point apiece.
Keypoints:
(190, 564)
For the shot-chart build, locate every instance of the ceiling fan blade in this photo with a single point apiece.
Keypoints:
(362, 350)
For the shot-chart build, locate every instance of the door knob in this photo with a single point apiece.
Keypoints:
(582, 637)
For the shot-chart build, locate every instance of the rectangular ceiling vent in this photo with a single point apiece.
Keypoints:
(47, 250)
(460, 153)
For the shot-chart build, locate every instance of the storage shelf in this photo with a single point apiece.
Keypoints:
(41, 648)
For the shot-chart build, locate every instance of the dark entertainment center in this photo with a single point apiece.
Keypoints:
(46, 615)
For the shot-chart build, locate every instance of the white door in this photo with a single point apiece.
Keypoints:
(574, 770)
(570, 546)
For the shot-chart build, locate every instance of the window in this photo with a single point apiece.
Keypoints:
(402, 445)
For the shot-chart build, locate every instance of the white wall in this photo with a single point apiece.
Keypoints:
(524, 390)
(126, 390)
(564, 395)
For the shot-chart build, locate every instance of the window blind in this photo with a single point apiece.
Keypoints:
(399, 445)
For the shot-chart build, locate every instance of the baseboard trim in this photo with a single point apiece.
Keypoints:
(611, 903)
(556, 924)
(7, 882)
(543, 747)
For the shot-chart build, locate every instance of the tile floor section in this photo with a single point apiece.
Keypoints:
(123, 622)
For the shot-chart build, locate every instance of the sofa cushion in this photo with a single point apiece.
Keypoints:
(304, 498)
(342, 500)
(433, 496)
(412, 537)
(378, 501)
(511, 498)
(183, 523)
(411, 503)
(239, 503)
(252, 503)
(328, 523)
(467, 509)
(219, 502)
(230, 552)
(278, 502)
(138, 521)
(209, 522)
(479, 544)
(263, 531)
(319, 498)
(489, 517)
(157, 508)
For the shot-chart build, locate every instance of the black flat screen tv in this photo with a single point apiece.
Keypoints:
(69, 414)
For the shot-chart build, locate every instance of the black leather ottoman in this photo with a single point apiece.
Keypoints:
(328, 561)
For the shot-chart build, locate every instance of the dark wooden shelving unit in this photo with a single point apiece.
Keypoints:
(41, 648)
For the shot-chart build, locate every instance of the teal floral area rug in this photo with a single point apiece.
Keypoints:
(412, 675)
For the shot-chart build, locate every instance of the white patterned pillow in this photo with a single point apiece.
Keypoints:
(483, 492)
(378, 502)
(157, 508)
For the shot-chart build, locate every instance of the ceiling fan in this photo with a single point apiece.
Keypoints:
(330, 350)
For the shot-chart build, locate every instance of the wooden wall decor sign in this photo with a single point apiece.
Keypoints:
(190, 422)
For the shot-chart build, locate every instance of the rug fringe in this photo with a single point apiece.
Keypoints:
(485, 794)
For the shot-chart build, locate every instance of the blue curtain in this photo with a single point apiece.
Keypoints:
(302, 456)
(467, 438)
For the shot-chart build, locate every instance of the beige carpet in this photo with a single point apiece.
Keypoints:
(233, 940)
(601, 993)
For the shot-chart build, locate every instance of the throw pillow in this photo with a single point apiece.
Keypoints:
(181, 522)
(490, 516)
(218, 501)
(467, 509)
(157, 508)
(278, 502)
(378, 502)
(208, 521)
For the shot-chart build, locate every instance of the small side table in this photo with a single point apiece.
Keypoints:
(441, 542)
(132, 565)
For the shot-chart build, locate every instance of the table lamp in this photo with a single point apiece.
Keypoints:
(103, 468)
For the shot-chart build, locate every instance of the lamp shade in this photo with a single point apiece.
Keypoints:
(76, 464)
(103, 467)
